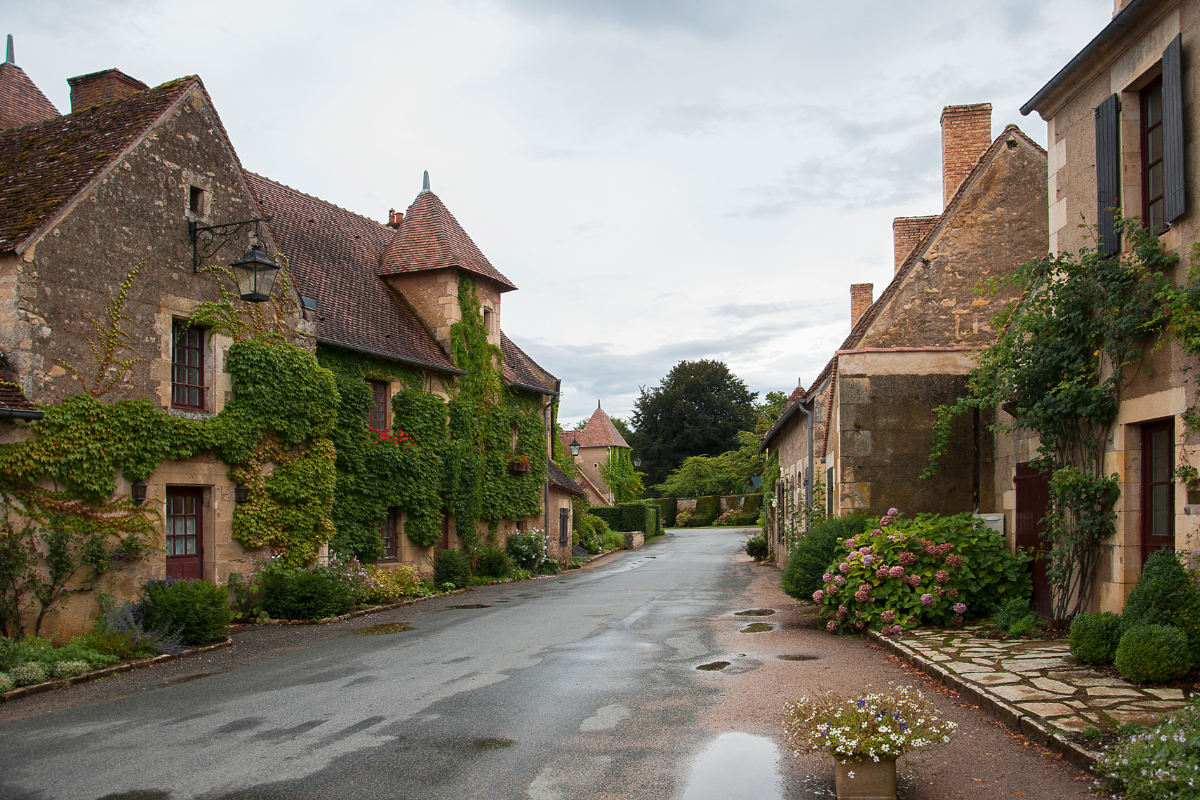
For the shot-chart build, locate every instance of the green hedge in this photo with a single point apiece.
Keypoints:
(627, 517)
(668, 509)
(707, 509)
(751, 503)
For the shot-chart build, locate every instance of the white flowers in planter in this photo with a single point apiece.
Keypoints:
(875, 726)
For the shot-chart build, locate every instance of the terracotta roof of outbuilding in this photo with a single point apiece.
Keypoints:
(43, 166)
(334, 258)
(12, 398)
(430, 237)
(521, 370)
(563, 481)
(21, 101)
(599, 432)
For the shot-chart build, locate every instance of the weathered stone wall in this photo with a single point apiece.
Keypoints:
(886, 434)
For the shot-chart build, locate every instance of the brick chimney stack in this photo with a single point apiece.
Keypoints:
(966, 133)
(907, 233)
(861, 297)
(395, 218)
(101, 87)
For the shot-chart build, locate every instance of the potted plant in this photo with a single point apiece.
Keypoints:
(865, 735)
(518, 463)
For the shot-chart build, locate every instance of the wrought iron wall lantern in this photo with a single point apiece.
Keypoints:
(241, 494)
(138, 492)
(255, 271)
(574, 447)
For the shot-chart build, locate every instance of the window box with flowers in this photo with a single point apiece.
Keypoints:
(518, 463)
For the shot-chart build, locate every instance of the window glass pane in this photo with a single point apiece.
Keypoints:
(1154, 107)
(1160, 510)
(1155, 216)
(1154, 145)
(1160, 456)
(1154, 177)
(191, 545)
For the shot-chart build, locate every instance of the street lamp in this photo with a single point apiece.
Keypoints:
(574, 447)
(637, 462)
(255, 274)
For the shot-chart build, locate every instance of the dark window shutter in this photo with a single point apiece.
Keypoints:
(1108, 173)
(1173, 179)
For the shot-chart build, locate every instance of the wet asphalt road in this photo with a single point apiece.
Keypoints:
(571, 687)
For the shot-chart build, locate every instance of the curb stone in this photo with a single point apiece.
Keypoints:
(96, 674)
(362, 612)
(1033, 728)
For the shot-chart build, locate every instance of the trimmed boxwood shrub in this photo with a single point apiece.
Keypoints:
(751, 506)
(1015, 616)
(304, 594)
(625, 517)
(1165, 595)
(815, 551)
(493, 563)
(452, 567)
(708, 508)
(1094, 638)
(198, 610)
(757, 547)
(1153, 653)
(668, 507)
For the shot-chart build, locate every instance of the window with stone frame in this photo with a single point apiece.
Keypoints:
(187, 366)
(379, 395)
(1153, 175)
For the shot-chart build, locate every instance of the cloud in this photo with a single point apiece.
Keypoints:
(707, 17)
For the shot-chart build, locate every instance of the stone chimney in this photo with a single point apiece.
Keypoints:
(907, 233)
(101, 87)
(861, 297)
(966, 133)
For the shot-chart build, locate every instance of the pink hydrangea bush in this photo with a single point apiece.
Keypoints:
(930, 570)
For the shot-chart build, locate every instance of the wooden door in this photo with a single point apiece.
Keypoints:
(1158, 487)
(1033, 504)
(185, 533)
(564, 527)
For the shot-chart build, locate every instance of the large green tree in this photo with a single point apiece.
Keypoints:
(697, 410)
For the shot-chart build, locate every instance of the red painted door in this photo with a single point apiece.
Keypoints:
(1033, 503)
(184, 539)
(1158, 487)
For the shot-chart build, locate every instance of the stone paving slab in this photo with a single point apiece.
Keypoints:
(1035, 687)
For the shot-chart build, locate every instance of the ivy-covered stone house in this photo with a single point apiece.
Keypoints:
(870, 410)
(371, 404)
(1122, 122)
(599, 443)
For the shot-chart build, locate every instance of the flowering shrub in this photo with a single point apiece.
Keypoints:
(1161, 762)
(398, 439)
(874, 726)
(388, 585)
(682, 519)
(519, 458)
(931, 570)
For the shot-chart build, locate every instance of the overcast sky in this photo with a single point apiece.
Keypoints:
(662, 179)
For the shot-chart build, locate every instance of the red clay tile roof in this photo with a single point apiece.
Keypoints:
(21, 102)
(599, 432)
(334, 257)
(522, 370)
(431, 238)
(45, 165)
(13, 399)
(562, 480)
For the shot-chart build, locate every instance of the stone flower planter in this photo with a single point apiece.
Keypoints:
(866, 779)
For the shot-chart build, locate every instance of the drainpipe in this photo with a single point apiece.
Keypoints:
(808, 473)
(549, 457)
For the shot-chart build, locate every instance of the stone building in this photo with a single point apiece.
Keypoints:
(129, 180)
(1122, 124)
(862, 431)
(598, 439)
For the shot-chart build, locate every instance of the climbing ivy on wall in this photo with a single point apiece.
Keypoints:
(622, 478)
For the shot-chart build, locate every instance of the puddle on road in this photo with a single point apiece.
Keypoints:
(735, 766)
(758, 627)
(473, 605)
(715, 666)
(797, 657)
(387, 627)
(755, 612)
